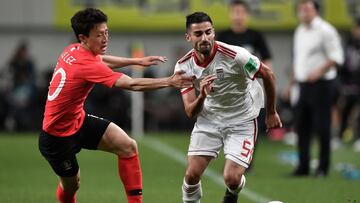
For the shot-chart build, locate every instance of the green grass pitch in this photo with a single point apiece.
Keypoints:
(26, 177)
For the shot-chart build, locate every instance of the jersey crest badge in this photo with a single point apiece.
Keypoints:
(220, 73)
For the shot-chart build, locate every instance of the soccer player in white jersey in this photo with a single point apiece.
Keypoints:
(227, 105)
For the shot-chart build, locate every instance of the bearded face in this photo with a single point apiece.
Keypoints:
(202, 37)
(204, 47)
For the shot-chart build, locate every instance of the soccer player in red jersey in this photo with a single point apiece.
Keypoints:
(67, 128)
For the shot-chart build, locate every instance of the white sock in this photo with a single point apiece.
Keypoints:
(241, 186)
(191, 193)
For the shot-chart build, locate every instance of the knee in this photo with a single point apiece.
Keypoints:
(129, 149)
(192, 177)
(232, 179)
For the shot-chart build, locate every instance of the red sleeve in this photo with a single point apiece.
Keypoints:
(98, 72)
(186, 90)
(256, 75)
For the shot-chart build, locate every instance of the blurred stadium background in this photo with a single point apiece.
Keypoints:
(156, 28)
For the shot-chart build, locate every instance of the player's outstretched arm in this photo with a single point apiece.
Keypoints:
(272, 117)
(177, 80)
(117, 61)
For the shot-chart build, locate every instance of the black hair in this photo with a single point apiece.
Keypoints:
(316, 6)
(197, 17)
(315, 3)
(85, 20)
(241, 3)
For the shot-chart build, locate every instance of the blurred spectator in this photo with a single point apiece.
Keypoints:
(240, 35)
(23, 88)
(349, 76)
(317, 52)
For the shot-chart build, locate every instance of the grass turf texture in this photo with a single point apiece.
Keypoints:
(26, 177)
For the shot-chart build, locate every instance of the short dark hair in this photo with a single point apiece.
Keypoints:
(197, 17)
(241, 3)
(315, 3)
(83, 21)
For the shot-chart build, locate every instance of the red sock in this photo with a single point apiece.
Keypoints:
(64, 197)
(131, 176)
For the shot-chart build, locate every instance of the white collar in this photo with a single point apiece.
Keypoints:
(315, 22)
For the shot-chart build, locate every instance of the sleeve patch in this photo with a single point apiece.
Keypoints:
(251, 65)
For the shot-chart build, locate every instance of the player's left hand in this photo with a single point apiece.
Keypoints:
(273, 121)
(206, 85)
(152, 60)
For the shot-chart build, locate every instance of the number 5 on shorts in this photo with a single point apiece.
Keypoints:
(246, 149)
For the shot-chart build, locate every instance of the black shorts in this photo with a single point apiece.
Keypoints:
(61, 152)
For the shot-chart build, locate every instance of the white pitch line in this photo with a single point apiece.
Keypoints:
(178, 156)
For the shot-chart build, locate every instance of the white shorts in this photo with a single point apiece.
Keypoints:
(238, 140)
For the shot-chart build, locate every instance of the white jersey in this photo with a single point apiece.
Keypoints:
(314, 45)
(237, 96)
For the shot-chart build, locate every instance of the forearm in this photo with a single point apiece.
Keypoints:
(194, 108)
(117, 61)
(143, 84)
(268, 63)
(324, 68)
(270, 92)
(292, 78)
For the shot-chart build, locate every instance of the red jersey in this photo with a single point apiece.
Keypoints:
(76, 72)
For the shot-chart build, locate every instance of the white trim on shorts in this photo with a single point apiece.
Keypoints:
(203, 153)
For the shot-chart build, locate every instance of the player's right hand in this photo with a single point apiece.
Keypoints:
(273, 120)
(151, 60)
(206, 85)
(180, 80)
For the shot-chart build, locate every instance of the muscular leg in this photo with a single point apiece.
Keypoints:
(234, 179)
(67, 188)
(116, 141)
(192, 186)
(232, 174)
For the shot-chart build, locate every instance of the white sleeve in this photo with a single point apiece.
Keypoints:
(182, 67)
(249, 63)
(332, 45)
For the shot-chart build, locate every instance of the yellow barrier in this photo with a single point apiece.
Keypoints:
(169, 15)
